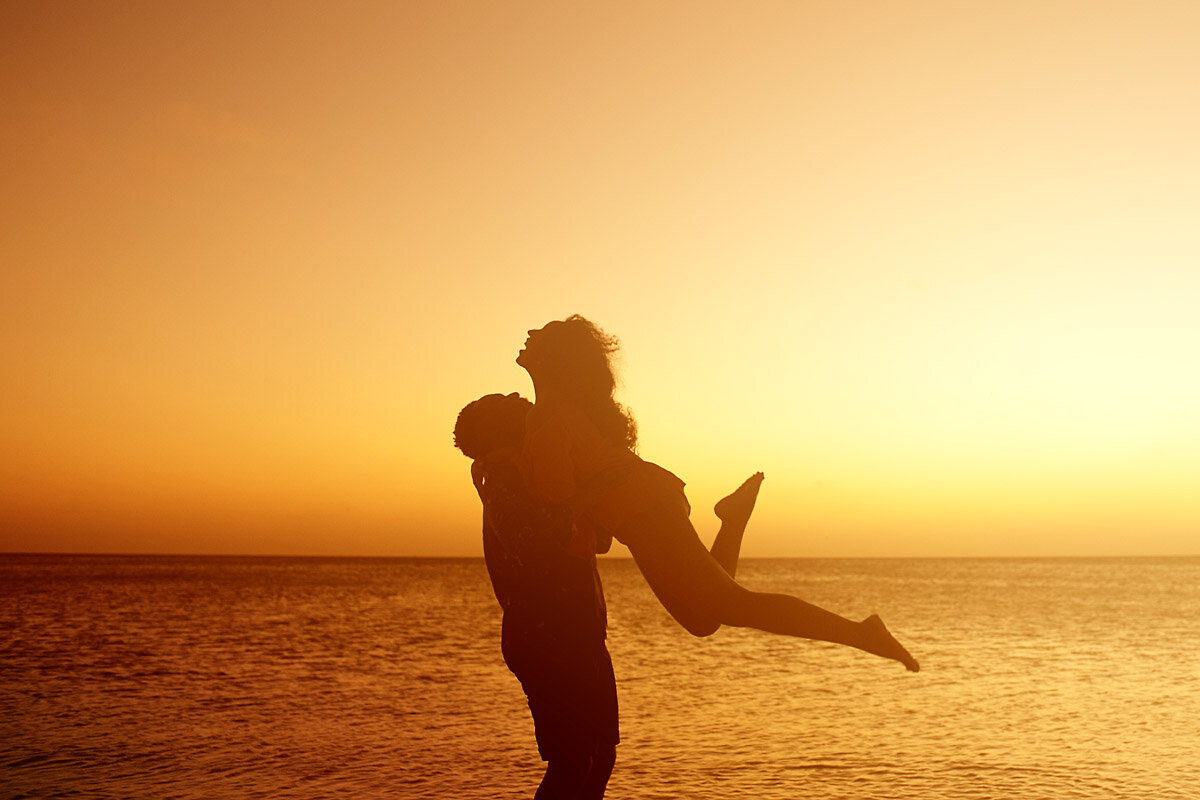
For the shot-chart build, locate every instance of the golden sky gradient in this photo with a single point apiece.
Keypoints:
(933, 266)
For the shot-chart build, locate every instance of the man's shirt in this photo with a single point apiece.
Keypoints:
(546, 592)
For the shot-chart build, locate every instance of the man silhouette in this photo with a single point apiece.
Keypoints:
(554, 620)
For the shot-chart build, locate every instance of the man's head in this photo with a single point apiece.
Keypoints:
(492, 422)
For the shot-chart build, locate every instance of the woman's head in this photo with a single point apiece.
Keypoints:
(572, 359)
(572, 355)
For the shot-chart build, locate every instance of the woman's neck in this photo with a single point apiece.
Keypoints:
(546, 393)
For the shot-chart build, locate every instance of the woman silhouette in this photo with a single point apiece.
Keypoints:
(578, 450)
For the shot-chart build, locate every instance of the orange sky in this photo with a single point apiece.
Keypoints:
(933, 267)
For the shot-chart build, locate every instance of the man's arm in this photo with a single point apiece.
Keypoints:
(520, 524)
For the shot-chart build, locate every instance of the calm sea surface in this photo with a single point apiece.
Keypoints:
(162, 677)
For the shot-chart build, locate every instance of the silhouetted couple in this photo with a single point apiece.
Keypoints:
(559, 480)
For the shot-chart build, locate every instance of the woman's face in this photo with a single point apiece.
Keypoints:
(535, 345)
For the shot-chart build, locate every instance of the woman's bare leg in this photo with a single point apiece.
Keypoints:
(734, 512)
(701, 596)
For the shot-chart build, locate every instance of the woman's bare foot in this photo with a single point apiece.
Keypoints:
(879, 640)
(735, 508)
(734, 512)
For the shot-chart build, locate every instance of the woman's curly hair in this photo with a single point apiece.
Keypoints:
(577, 357)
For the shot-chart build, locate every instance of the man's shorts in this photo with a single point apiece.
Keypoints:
(571, 690)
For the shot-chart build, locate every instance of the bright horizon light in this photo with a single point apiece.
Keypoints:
(932, 267)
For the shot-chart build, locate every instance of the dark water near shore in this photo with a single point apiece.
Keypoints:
(164, 677)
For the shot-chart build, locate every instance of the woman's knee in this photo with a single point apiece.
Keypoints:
(689, 609)
(694, 617)
(692, 586)
(729, 604)
(701, 626)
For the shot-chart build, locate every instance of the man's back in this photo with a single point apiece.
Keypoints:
(554, 621)
(540, 586)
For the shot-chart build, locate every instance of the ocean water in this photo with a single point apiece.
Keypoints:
(167, 677)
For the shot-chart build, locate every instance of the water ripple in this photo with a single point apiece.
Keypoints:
(177, 678)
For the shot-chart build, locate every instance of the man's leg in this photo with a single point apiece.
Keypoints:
(597, 778)
(564, 778)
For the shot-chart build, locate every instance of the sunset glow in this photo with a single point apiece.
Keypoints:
(933, 267)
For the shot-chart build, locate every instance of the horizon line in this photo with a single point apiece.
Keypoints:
(600, 557)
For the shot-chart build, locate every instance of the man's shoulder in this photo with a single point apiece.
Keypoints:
(525, 526)
(503, 480)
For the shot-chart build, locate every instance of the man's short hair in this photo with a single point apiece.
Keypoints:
(490, 423)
